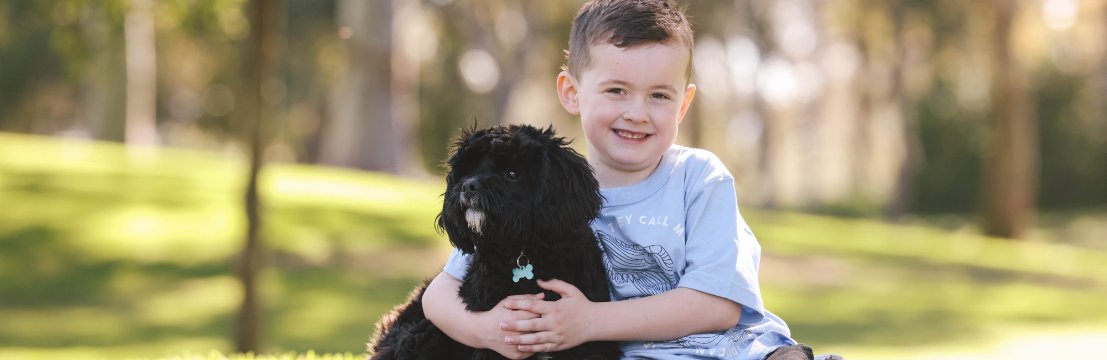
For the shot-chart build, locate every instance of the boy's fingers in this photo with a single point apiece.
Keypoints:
(528, 325)
(537, 342)
(547, 347)
(534, 306)
(522, 315)
(537, 296)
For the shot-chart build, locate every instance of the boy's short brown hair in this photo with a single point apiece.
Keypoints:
(626, 23)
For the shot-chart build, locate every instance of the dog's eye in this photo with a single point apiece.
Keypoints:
(511, 175)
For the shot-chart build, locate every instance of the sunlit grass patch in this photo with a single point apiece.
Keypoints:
(860, 284)
(182, 205)
(799, 233)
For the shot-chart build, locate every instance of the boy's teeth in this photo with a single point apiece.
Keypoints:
(630, 135)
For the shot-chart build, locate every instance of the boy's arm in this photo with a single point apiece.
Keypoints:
(573, 319)
(480, 330)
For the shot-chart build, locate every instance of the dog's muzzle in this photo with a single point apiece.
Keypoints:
(474, 217)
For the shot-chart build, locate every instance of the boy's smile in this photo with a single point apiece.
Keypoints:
(630, 101)
(630, 135)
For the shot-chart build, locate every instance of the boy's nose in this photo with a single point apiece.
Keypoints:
(636, 113)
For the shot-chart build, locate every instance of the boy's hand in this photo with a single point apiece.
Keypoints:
(559, 325)
(489, 323)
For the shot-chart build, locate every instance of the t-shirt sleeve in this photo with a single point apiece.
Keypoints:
(457, 264)
(721, 251)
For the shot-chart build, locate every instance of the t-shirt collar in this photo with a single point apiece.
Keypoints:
(625, 195)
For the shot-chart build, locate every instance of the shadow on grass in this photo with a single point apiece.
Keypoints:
(330, 312)
(165, 191)
(39, 270)
(52, 297)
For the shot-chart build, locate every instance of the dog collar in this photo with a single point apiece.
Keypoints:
(521, 270)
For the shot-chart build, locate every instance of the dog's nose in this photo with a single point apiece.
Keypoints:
(470, 184)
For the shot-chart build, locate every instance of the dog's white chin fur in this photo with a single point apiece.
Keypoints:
(474, 218)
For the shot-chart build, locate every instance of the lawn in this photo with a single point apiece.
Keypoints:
(108, 252)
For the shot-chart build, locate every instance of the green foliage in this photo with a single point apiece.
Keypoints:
(950, 177)
(110, 252)
(25, 53)
(1073, 140)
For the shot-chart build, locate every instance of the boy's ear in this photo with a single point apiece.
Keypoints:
(689, 93)
(567, 92)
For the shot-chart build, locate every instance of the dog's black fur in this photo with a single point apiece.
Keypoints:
(537, 197)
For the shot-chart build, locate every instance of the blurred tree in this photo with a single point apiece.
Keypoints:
(1011, 162)
(950, 179)
(310, 76)
(142, 74)
(761, 29)
(1072, 105)
(255, 115)
(495, 57)
(60, 67)
(899, 204)
(366, 128)
(489, 58)
(901, 73)
(20, 55)
(102, 99)
(862, 136)
(716, 23)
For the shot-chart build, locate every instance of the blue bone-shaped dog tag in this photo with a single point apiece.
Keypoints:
(522, 272)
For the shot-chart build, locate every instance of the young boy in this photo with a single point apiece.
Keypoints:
(681, 260)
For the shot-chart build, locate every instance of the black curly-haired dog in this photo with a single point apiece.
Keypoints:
(520, 202)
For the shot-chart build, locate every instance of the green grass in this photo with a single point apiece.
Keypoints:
(854, 284)
(108, 252)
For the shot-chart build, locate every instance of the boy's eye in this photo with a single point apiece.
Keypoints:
(615, 91)
(660, 96)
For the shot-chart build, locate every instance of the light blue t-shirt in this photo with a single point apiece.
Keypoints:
(681, 228)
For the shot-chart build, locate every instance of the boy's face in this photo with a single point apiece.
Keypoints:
(630, 102)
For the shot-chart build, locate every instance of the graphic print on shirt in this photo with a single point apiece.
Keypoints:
(733, 338)
(648, 269)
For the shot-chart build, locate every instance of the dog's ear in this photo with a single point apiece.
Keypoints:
(574, 192)
(467, 141)
(457, 237)
(529, 137)
(467, 138)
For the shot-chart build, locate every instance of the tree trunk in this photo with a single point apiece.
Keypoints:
(862, 138)
(1011, 162)
(102, 109)
(768, 168)
(912, 141)
(365, 128)
(260, 63)
(405, 90)
(1103, 69)
(142, 74)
